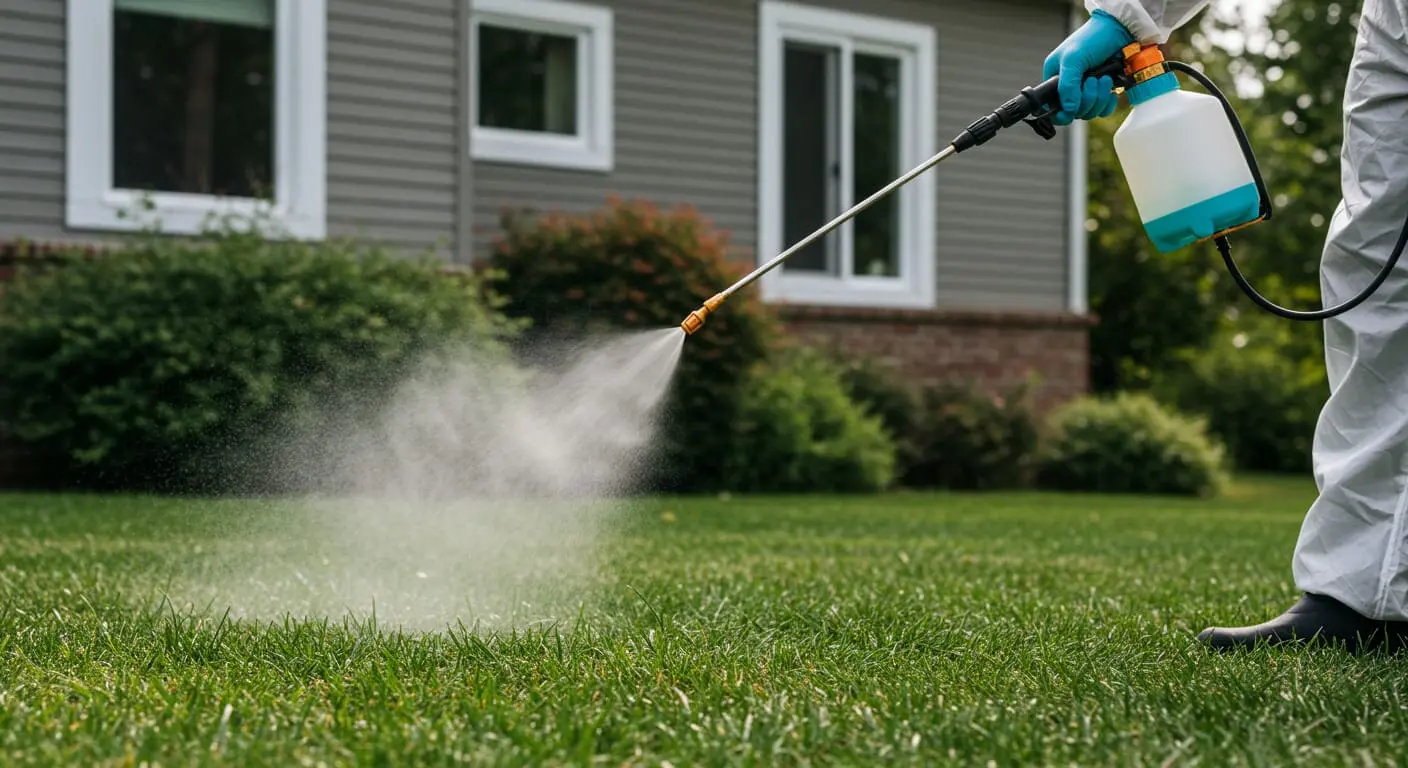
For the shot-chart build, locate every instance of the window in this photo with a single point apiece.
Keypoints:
(542, 83)
(846, 106)
(206, 107)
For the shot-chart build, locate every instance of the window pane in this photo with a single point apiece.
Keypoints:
(527, 80)
(193, 105)
(810, 171)
(877, 163)
(250, 13)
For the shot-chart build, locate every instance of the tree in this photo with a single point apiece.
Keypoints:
(1300, 72)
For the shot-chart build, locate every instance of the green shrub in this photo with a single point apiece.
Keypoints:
(172, 364)
(799, 431)
(965, 439)
(883, 393)
(953, 435)
(1129, 443)
(630, 266)
(1259, 397)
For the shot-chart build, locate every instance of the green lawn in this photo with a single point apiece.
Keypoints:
(977, 630)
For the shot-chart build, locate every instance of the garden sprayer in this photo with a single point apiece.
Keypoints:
(1185, 157)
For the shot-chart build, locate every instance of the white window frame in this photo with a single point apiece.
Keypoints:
(915, 45)
(593, 148)
(1077, 173)
(299, 206)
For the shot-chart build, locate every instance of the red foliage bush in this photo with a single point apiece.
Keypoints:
(630, 265)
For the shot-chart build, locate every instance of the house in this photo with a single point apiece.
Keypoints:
(417, 121)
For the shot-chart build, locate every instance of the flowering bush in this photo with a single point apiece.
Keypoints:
(630, 265)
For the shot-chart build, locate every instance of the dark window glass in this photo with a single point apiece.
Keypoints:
(527, 80)
(811, 166)
(193, 105)
(876, 145)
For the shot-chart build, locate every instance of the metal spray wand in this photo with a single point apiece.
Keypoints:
(1033, 105)
(695, 321)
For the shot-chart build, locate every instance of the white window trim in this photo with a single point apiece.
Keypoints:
(299, 206)
(593, 149)
(916, 45)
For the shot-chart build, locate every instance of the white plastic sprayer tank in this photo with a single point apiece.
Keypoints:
(1184, 165)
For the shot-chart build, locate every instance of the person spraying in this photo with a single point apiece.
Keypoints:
(1351, 558)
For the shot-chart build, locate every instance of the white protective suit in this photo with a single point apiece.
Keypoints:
(1353, 545)
(1150, 21)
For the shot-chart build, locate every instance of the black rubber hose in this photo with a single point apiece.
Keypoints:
(1225, 248)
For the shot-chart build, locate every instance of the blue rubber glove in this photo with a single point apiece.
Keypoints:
(1091, 45)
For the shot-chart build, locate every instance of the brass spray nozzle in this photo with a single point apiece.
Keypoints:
(695, 321)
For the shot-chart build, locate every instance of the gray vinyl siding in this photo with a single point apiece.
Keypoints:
(685, 122)
(1002, 208)
(685, 131)
(31, 118)
(686, 115)
(392, 120)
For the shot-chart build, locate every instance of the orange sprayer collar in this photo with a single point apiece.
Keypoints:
(1143, 62)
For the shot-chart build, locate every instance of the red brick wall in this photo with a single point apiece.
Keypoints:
(995, 349)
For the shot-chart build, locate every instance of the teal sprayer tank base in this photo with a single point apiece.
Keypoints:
(1201, 220)
(1185, 157)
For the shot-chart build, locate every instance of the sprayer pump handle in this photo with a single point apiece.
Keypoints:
(1048, 95)
(1034, 105)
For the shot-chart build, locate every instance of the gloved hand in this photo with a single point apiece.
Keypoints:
(1091, 45)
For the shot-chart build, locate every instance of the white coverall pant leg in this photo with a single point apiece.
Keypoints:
(1353, 544)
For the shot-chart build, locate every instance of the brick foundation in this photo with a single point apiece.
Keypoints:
(993, 349)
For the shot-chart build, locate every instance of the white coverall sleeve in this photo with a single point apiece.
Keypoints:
(1150, 21)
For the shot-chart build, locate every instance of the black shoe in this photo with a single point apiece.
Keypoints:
(1314, 619)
